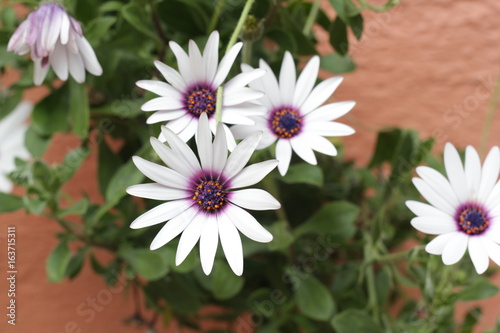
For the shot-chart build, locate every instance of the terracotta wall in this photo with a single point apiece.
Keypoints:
(429, 65)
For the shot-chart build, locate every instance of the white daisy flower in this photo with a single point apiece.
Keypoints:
(463, 209)
(202, 200)
(12, 132)
(193, 90)
(294, 117)
(54, 39)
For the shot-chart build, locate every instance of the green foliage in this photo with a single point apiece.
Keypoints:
(334, 264)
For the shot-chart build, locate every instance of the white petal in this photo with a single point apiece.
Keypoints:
(319, 143)
(330, 111)
(455, 248)
(182, 62)
(302, 148)
(434, 225)
(196, 61)
(493, 250)
(156, 192)
(439, 184)
(6, 185)
(162, 103)
(179, 124)
(478, 254)
(219, 150)
(432, 197)
(489, 173)
(320, 94)
(328, 128)
(59, 61)
(208, 243)
(172, 160)
(493, 200)
(231, 142)
(39, 72)
(283, 155)
(189, 130)
(455, 172)
(161, 174)
(240, 155)
(422, 209)
(88, 56)
(204, 143)
(270, 84)
(229, 117)
(173, 228)
(253, 174)
(241, 95)
(472, 172)
(15, 119)
(161, 213)
(189, 237)
(248, 225)
(231, 243)
(76, 66)
(288, 76)
(306, 81)
(211, 56)
(180, 148)
(160, 88)
(254, 199)
(242, 79)
(225, 64)
(171, 75)
(162, 116)
(437, 245)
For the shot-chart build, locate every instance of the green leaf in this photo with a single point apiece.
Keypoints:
(225, 284)
(338, 36)
(169, 252)
(314, 300)
(282, 237)
(79, 109)
(9, 99)
(148, 264)
(337, 63)
(8, 17)
(76, 263)
(335, 218)
(137, 17)
(51, 114)
(72, 162)
(36, 143)
(58, 261)
(99, 26)
(353, 320)
(10, 203)
(356, 24)
(77, 209)
(304, 173)
(282, 38)
(471, 319)
(479, 290)
(109, 162)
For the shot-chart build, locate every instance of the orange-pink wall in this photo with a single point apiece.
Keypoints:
(429, 65)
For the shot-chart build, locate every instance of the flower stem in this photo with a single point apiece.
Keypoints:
(216, 15)
(247, 52)
(239, 26)
(311, 18)
(488, 121)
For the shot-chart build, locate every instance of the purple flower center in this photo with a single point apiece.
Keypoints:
(210, 195)
(472, 218)
(285, 122)
(199, 99)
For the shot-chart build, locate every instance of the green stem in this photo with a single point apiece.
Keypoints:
(388, 5)
(311, 18)
(215, 16)
(395, 256)
(488, 121)
(369, 254)
(239, 26)
(247, 52)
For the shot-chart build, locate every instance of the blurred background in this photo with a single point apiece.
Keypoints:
(427, 65)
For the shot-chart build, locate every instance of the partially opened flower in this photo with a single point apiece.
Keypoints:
(463, 209)
(12, 132)
(55, 40)
(294, 116)
(204, 199)
(193, 90)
